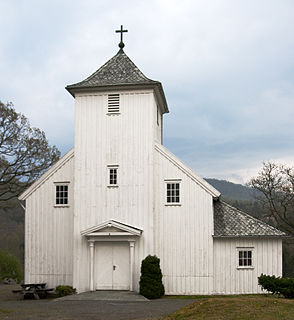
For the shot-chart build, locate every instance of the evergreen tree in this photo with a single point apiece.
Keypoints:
(151, 285)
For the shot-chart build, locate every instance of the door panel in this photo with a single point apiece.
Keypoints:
(103, 266)
(112, 266)
(121, 278)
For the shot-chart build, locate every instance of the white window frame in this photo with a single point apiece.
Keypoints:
(172, 181)
(242, 249)
(109, 168)
(61, 184)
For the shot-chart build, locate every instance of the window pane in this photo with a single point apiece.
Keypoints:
(61, 194)
(173, 192)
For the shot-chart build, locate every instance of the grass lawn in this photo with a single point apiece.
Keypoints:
(245, 307)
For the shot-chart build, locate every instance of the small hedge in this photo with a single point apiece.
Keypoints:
(10, 267)
(151, 285)
(62, 291)
(277, 285)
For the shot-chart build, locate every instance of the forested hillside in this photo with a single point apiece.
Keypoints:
(12, 229)
(232, 190)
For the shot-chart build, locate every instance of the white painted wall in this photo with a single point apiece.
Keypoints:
(183, 234)
(228, 279)
(125, 140)
(49, 231)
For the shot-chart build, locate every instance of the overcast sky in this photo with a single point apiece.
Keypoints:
(227, 68)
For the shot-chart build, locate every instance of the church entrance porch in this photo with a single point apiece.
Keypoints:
(112, 266)
(111, 255)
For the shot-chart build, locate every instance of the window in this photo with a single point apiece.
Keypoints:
(113, 103)
(61, 194)
(244, 257)
(112, 175)
(172, 192)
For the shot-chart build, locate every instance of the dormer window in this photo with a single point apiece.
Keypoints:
(113, 104)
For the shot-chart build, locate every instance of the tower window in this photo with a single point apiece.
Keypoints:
(113, 103)
(112, 176)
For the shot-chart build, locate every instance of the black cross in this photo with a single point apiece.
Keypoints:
(121, 44)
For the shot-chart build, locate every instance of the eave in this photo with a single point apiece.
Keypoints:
(156, 86)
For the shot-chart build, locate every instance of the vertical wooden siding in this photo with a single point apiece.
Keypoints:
(183, 234)
(125, 140)
(48, 232)
(228, 279)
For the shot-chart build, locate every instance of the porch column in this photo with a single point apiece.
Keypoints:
(132, 261)
(91, 245)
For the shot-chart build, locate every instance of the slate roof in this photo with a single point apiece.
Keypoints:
(231, 222)
(119, 70)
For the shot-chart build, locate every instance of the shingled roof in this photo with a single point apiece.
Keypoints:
(121, 72)
(231, 222)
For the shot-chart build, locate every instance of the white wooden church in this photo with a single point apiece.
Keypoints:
(120, 195)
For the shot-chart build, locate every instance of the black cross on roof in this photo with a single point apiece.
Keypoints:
(121, 31)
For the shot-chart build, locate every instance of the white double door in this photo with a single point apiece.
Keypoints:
(112, 265)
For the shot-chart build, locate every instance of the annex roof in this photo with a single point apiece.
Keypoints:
(231, 222)
(119, 71)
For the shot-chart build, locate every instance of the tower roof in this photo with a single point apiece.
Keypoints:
(119, 72)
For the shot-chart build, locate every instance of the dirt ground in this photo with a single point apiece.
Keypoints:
(13, 308)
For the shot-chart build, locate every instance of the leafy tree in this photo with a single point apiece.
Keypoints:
(10, 267)
(151, 285)
(24, 153)
(276, 184)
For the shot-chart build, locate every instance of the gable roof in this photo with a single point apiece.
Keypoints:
(185, 169)
(47, 175)
(108, 226)
(231, 222)
(119, 71)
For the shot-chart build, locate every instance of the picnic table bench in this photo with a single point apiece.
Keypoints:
(33, 290)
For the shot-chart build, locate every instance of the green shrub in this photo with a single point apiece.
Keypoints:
(151, 285)
(10, 267)
(277, 285)
(62, 291)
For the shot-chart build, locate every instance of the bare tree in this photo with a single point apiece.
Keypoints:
(24, 153)
(276, 184)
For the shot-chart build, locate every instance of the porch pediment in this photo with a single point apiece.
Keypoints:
(112, 228)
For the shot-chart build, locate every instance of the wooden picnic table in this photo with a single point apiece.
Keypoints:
(35, 290)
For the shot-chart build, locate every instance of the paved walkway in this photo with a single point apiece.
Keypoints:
(98, 305)
(105, 295)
